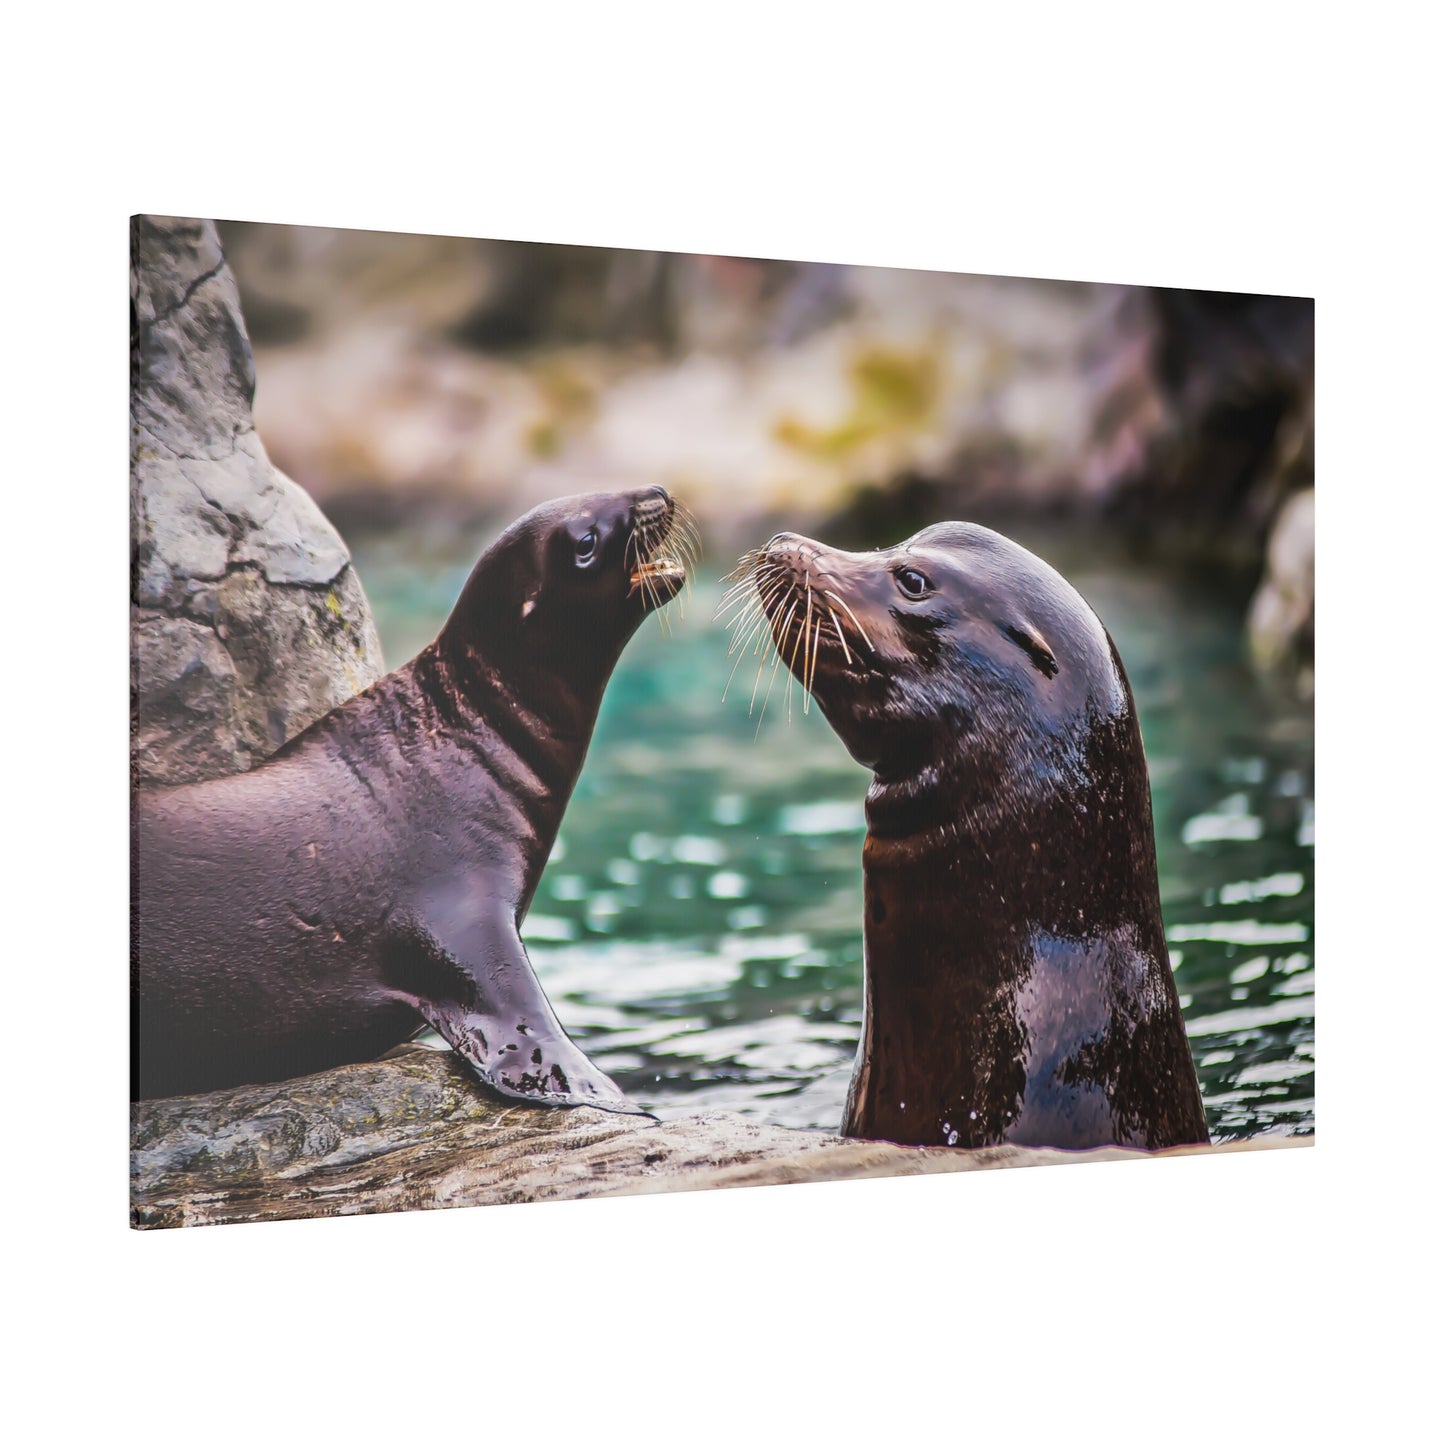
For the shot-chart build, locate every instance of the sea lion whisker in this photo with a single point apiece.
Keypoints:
(731, 605)
(761, 636)
(766, 603)
(747, 565)
(749, 569)
(747, 600)
(689, 545)
(776, 587)
(743, 587)
(838, 629)
(744, 619)
(692, 540)
(745, 625)
(802, 633)
(787, 622)
(741, 599)
(741, 647)
(740, 606)
(841, 603)
(683, 518)
(649, 587)
(751, 620)
(810, 663)
(772, 678)
(753, 697)
(755, 600)
(807, 619)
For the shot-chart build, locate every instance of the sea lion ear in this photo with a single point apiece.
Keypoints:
(1031, 640)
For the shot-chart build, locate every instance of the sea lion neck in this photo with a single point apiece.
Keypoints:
(1052, 828)
(1011, 951)
(533, 631)
(485, 676)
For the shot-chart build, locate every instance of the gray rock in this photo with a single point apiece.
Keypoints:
(248, 621)
(1282, 614)
(413, 1131)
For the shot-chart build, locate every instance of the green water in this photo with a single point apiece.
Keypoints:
(699, 926)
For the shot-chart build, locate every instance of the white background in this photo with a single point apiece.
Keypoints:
(1244, 147)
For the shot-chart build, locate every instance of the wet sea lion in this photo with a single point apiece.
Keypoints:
(1017, 984)
(371, 876)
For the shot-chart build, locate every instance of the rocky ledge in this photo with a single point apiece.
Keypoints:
(413, 1131)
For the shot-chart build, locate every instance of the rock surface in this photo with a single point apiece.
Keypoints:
(1282, 615)
(414, 1131)
(248, 622)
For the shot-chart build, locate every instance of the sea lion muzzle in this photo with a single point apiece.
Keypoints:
(662, 545)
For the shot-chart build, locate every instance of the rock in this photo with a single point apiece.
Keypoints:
(1205, 419)
(475, 378)
(1282, 614)
(413, 1131)
(248, 621)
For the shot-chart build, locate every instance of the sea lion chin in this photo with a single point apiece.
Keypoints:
(1017, 985)
(372, 875)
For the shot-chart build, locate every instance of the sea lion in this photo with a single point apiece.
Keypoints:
(371, 876)
(1017, 984)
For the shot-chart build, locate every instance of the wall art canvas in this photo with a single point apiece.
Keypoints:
(612, 722)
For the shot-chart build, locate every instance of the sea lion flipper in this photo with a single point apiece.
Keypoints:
(483, 998)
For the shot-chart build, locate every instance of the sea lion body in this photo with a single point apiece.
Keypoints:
(1017, 982)
(372, 875)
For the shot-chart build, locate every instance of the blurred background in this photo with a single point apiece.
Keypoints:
(699, 926)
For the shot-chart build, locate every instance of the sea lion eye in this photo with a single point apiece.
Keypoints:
(587, 546)
(912, 583)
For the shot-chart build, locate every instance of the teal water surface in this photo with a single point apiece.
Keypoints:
(699, 925)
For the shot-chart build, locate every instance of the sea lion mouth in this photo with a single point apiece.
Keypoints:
(661, 570)
(781, 596)
(662, 551)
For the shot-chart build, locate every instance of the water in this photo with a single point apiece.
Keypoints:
(699, 925)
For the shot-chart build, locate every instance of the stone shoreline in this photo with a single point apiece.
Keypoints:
(413, 1131)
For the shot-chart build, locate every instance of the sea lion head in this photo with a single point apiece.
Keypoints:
(956, 655)
(571, 581)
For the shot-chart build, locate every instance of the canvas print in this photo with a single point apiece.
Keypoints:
(613, 722)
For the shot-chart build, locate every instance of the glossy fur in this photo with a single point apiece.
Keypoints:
(1018, 986)
(372, 875)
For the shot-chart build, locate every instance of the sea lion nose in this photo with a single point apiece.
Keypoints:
(791, 553)
(651, 505)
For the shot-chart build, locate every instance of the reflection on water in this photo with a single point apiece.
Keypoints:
(699, 926)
